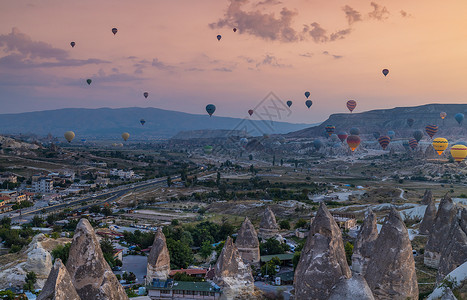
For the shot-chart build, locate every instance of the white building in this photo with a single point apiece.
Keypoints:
(43, 185)
(122, 174)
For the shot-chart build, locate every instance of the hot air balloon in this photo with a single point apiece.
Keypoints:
(418, 135)
(142, 121)
(207, 149)
(307, 94)
(250, 112)
(125, 136)
(459, 118)
(354, 131)
(342, 136)
(330, 129)
(406, 145)
(351, 104)
(431, 130)
(289, 103)
(459, 152)
(353, 141)
(385, 72)
(376, 135)
(308, 103)
(72, 44)
(219, 37)
(384, 141)
(243, 142)
(410, 122)
(443, 115)
(234, 30)
(391, 134)
(440, 144)
(114, 30)
(317, 144)
(89, 81)
(145, 94)
(69, 136)
(413, 143)
(210, 108)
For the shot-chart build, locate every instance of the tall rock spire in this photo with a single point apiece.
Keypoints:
(159, 259)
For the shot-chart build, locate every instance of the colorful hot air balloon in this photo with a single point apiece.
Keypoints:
(234, 30)
(145, 94)
(142, 121)
(443, 115)
(413, 143)
(89, 81)
(410, 122)
(440, 144)
(459, 152)
(351, 104)
(207, 149)
(431, 130)
(418, 135)
(243, 142)
(69, 136)
(391, 134)
(317, 144)
(342, 136)
(125, 136)
(376, 135)
(219, 37)
(384, 141)
(289, 103)
(353, 141)
(385, 72)
(72, 44)
(459, 118)
(250, 112)
(114, 30)
(308, 103)
(330, 129)
(307, 94)
(354, 131)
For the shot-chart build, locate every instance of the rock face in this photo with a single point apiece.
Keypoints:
(58, 286)
(322, 262)
(391, 271)
(90, 273)
(247, 243)
(354, 288)
(427, 197)
(159, 259)
(454, 253)
(268, 226)
(439, 232)
(428, 217)
(364, 244)
(232, 274)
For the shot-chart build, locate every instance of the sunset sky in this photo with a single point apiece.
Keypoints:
(334, 49)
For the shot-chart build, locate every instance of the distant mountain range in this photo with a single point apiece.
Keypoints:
(105, 123)
(395, 119)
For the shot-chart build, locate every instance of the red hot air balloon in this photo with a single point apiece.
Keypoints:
(353, 141)
(250, 112)
(384, 141)
(351, 104)
(431, 130)
(342, 136)
(114, 30)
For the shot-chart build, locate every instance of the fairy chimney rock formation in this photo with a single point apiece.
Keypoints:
(439, 232)
(159, 259)
(90, 273)
(427, 197)
(354, 288)
(391, 270)
(268, 226)
(58, 285)
(232, 274)
(322, 262)
(247, 243)
(428, 217)
(364, 244)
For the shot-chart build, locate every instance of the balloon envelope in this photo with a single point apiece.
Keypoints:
(72, 44)
(385, 72)
(384, 141)
(307, 94)
(308, 103)
(410, 122)
(243, 142)
(289, 103)
(142, 121)
(353, 141)
(431, 130)
(413, 143)
(210, 108)
(207, 149)
(317, 144)
(330, 129)
(443, 115)
(351, 104)
(459, 152)
(391, 134)
(69, 136)
(219, 37)
(114, 30)
(459, 118)
(376, 135)
(145, 94)
(125, 136)
(89, 81)
(440, 144)
(250, 112)
(342, 136)
(354, 131)
(234, 30)
(418, 135)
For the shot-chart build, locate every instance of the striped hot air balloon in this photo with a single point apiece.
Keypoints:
(351, 104)
(440, 144)
(330, 129)
(353, 141)
(431, 130)
(413, 143)
(443, 115)
(384, 141)
(459, 152)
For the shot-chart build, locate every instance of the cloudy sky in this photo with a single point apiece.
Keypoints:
(334, 49)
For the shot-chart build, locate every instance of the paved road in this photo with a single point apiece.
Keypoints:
(136, 264)
(265, 287)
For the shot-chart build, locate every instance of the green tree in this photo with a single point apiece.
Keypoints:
(269, 268)
(169, 181)
(206, 249)
(30, 280)
(37, 221)
(273, 246)
(106, 211)
(5, 222)
(348, 252)
(108, 250)
(61, 251)
(282, 162)
(284, 224)
(273, 160)
(296, 259)
(301, 223)
(95, 209)
(180, 254)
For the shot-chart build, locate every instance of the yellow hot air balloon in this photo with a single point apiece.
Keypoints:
(125, 136)
(443, 115)
(440, 144)
(69, 136)
(459, 152)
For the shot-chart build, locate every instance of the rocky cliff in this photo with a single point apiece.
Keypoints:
(428, 217)
(247, 243)
(268, 226)
(355, 288)
(159, 259)
(366, 238)
(58, 285)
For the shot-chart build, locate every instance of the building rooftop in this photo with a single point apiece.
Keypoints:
(286, 256)
(184, 286)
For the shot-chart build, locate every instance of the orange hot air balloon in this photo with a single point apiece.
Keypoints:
(440, 144)
(353, 141)
(459, 152)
